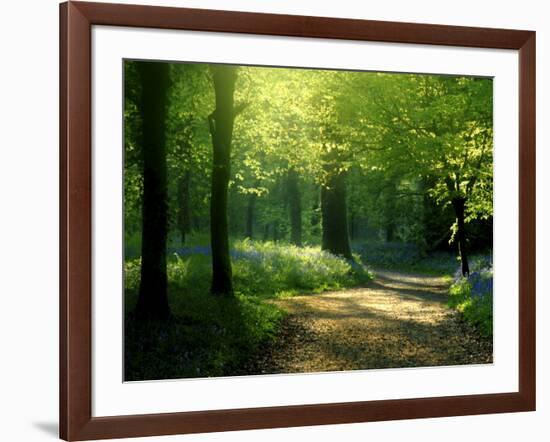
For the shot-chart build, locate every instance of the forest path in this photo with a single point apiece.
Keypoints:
(398, 320)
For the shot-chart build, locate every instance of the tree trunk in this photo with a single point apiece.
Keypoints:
(315, 219)
(275, 231)
(249, 233)
(389, 210)
(458, 205)
(335, 238)
(153, 297)
(221, 130)
(184, 209)
(390, 231)
(266, 232)
(352, 229)
(295, 207)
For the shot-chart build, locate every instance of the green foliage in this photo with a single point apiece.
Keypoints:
(262, 269)
(473, 297)
(477, 311)
(270, 269)
(409, 142)
(442, 127)
(206, 335)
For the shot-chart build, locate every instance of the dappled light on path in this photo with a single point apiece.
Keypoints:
(398, 320)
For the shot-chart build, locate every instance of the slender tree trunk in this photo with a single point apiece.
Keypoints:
(221, 129)
(184, 209)
(295, 207)
(275, 231)
(389, 210)
(390, 231)
(352, 229)
(315, 218)
(427, 215)
(335, 238)
(153, 297)
(459, 205)
(249, 233)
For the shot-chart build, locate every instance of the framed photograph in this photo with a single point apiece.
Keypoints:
(274, 220)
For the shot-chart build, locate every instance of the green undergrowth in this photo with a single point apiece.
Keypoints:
(206, 336)
(211, 335)
(476, 311)
(473, 297)
(268, 269)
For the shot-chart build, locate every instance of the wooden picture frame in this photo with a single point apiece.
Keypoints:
(76, 21)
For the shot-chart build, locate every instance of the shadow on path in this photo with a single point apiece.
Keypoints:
(398, 320)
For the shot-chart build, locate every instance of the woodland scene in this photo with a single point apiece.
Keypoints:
(293, 220)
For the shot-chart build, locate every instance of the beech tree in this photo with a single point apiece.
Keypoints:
(221, 129)
(153, 299)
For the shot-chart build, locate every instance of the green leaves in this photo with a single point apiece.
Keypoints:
(392, 133)
(439, 127)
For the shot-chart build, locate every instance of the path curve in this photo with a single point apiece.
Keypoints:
(398, 320)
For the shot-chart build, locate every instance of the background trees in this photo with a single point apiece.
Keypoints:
(440, 130)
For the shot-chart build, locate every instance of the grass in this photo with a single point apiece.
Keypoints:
(214, 336)
(206, 336)
(473, 296)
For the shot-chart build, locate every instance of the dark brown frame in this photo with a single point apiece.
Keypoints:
(76, 421)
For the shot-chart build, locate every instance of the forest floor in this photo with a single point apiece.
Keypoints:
(398, 320)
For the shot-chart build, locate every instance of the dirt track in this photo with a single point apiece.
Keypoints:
(399, 320)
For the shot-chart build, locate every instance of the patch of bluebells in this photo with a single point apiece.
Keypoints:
(253, 255)
(405, 255)
(389, 253)
(481, 284)
(473, 296)
(288, 268)
(188, 251)
(250, 254)
(312, 258)
(480, 279)
(250, 251)
(260, 268)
